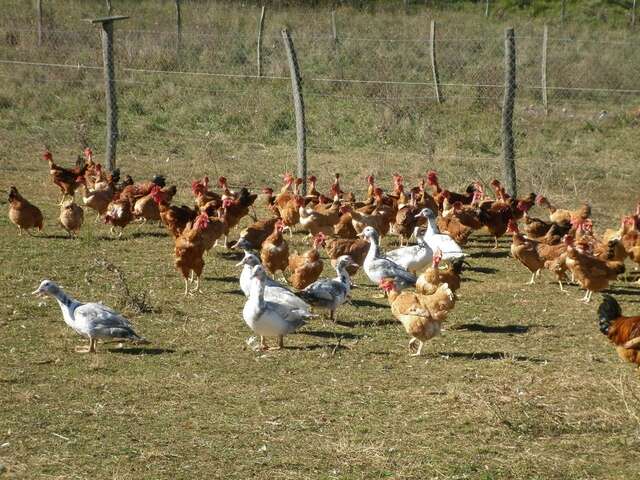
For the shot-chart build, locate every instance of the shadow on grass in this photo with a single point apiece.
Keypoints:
(231, 255)
(622, 291)
(237, 291)
(317, 346)
(366, 323)
(160, 234)
(367, 303)
(487, 270)
(477, 327)
(141, 351)
(227, 279)
(490, 254)
(54, 237)
(491, 356)
(323, 334)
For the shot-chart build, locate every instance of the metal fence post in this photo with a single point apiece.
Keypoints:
(39, 13)
(298, 104)
(434, 63)
(543, 66)
(110, 87)
(179, 29)
(260, 29)
(507, 110)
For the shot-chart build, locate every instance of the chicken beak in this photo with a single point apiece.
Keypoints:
(38, 293)
(240, 263)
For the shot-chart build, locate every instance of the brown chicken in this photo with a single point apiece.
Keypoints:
(147, 209)
(406, 221)
(591, 273)
(623, 332)
(306, 268)
(452, 274)
(525, 251)
(236, 210)
(454, 228)
(495, 216)
(562, 216)
(274, 253)
(189, 251)
(119, 214)
(204, 196)
(429, 280)
(344, 227)
(98, 200)
(139, 190)
(67, 179)
(252, 237)
(290, 212)
(316, 222)
(377, 220)
(356, 248)
(420, 315)
(174, 217)
(71, 217)
(22, 213)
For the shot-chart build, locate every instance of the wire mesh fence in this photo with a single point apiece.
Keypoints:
(364, 89)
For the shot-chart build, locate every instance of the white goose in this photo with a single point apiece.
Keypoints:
(270, 319)
(413, 258)
(434, 239)
(378, 267)
(91, 320)
(330, 293)
(274, 291)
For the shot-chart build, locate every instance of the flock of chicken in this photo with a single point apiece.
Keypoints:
(420, 292)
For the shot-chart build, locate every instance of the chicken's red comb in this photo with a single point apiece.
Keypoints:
(287, 178)
(370, 179)
(432, 177)
(495, 182)
(47, 155)
(227, 202)
(539, 199)
(88, 152)
(196, 186)
(222, 181)
(446, 194)
(299, 181)
(313, 178)
(378, 191)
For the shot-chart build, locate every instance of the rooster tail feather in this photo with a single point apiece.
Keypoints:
(608, 311)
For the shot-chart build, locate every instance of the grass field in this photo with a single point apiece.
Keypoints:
(521, 385)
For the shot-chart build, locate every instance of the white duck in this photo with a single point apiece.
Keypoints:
(434, 239)
(413, 258)
(378, 267)
(274, 291)
(270, 319)
(91, 320)
(330, 293)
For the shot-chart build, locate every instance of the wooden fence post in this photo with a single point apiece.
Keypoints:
(508, 146)
(298, 104)
(334, 29)
(110, 87)
(563, 10)
(486, 8)
(434, 63)
(260, 29)
(179, 29)
(633, 14)
(543, 68)
(39, 13)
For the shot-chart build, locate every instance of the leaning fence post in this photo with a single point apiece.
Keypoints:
(334, 29)
(298, 104)
(260, 29)
(178, 28)
(545, 39)
(434, 63)
(507, 110)
(110, 86)
(39, 12)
